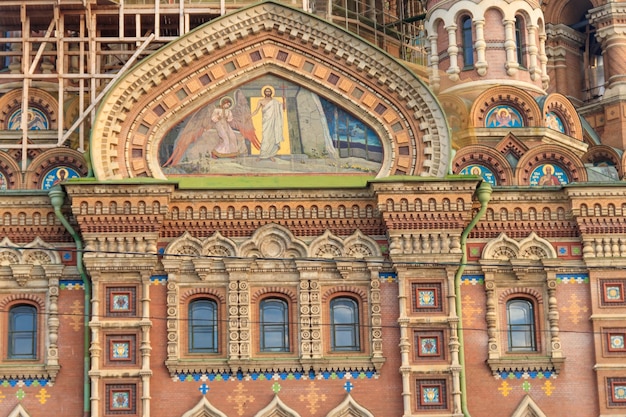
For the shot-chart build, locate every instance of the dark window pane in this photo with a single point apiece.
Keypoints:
(521, 325)
(344, 324)
(203, 326)
(274, 326)
(22, 333)
(468, 43)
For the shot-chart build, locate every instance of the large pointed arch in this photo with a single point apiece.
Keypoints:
(269, 38)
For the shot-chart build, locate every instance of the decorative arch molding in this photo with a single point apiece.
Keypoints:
(510, 96)
(457, 111)
(560, 105)
(605, 154)
(488, 157)
(11, 172)
(531, 247)
(349, 408)
(213, 292)
(503, 248)
(32, 298)
(273, 241)
(551, 154)
(286, 292)
(209, 61)
(345, 289)
(504, 295)
(36, 269)
(39, 99)
(204, 409)
(218, 245)
(37, 252)
(277, 408)
(528, 408)
(360, 246)
(534, 247)
(327, 246)
(186, 244)
(59, 157)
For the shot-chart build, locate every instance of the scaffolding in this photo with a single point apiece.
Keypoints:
(74, 49)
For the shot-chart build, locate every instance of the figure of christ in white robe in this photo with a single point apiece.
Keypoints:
(272, 125)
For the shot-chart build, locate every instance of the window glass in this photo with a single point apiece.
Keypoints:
(519, 41)
(468, 43)
(203, 326)
(23, 332)
(521, 325)
(274, 327)
(344, 314)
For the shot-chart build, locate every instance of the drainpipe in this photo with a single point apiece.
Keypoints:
(484, 195)
(57, 197)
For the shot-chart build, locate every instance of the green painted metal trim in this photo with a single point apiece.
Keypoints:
(484, 195)
(57, 197)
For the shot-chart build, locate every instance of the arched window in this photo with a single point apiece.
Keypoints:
(344, 325)
(519, 41)
(22, 332)
(274, 325)
(521, 325)
(203, 326)
(468, 43)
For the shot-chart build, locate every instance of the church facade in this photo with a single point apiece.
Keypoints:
(332, 209)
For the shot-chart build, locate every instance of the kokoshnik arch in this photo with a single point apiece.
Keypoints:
(288, 50)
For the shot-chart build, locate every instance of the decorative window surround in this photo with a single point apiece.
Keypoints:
(243, 272)
(34, 271)
(514, 269)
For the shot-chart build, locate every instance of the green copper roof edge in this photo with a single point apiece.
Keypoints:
(260, 182)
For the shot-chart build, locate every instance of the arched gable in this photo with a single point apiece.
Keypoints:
(487, 157)
(558, 157)
(603, 157)
(560, 115)
(515, 98)
(457, 111)
(10, 177)
(268, 38)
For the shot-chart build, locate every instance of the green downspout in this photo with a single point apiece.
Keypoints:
(484, 195)
(57, 197)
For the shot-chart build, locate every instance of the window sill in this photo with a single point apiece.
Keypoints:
(525, 363)
(25, 370)
(272, 364)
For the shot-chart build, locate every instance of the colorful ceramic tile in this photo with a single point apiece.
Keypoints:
(426, 298)
(616, 341)
(121, 302)
(429, 346)
(120, 350)
(431, 395)
(613, 292)
(619, 392)
(120, 400)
